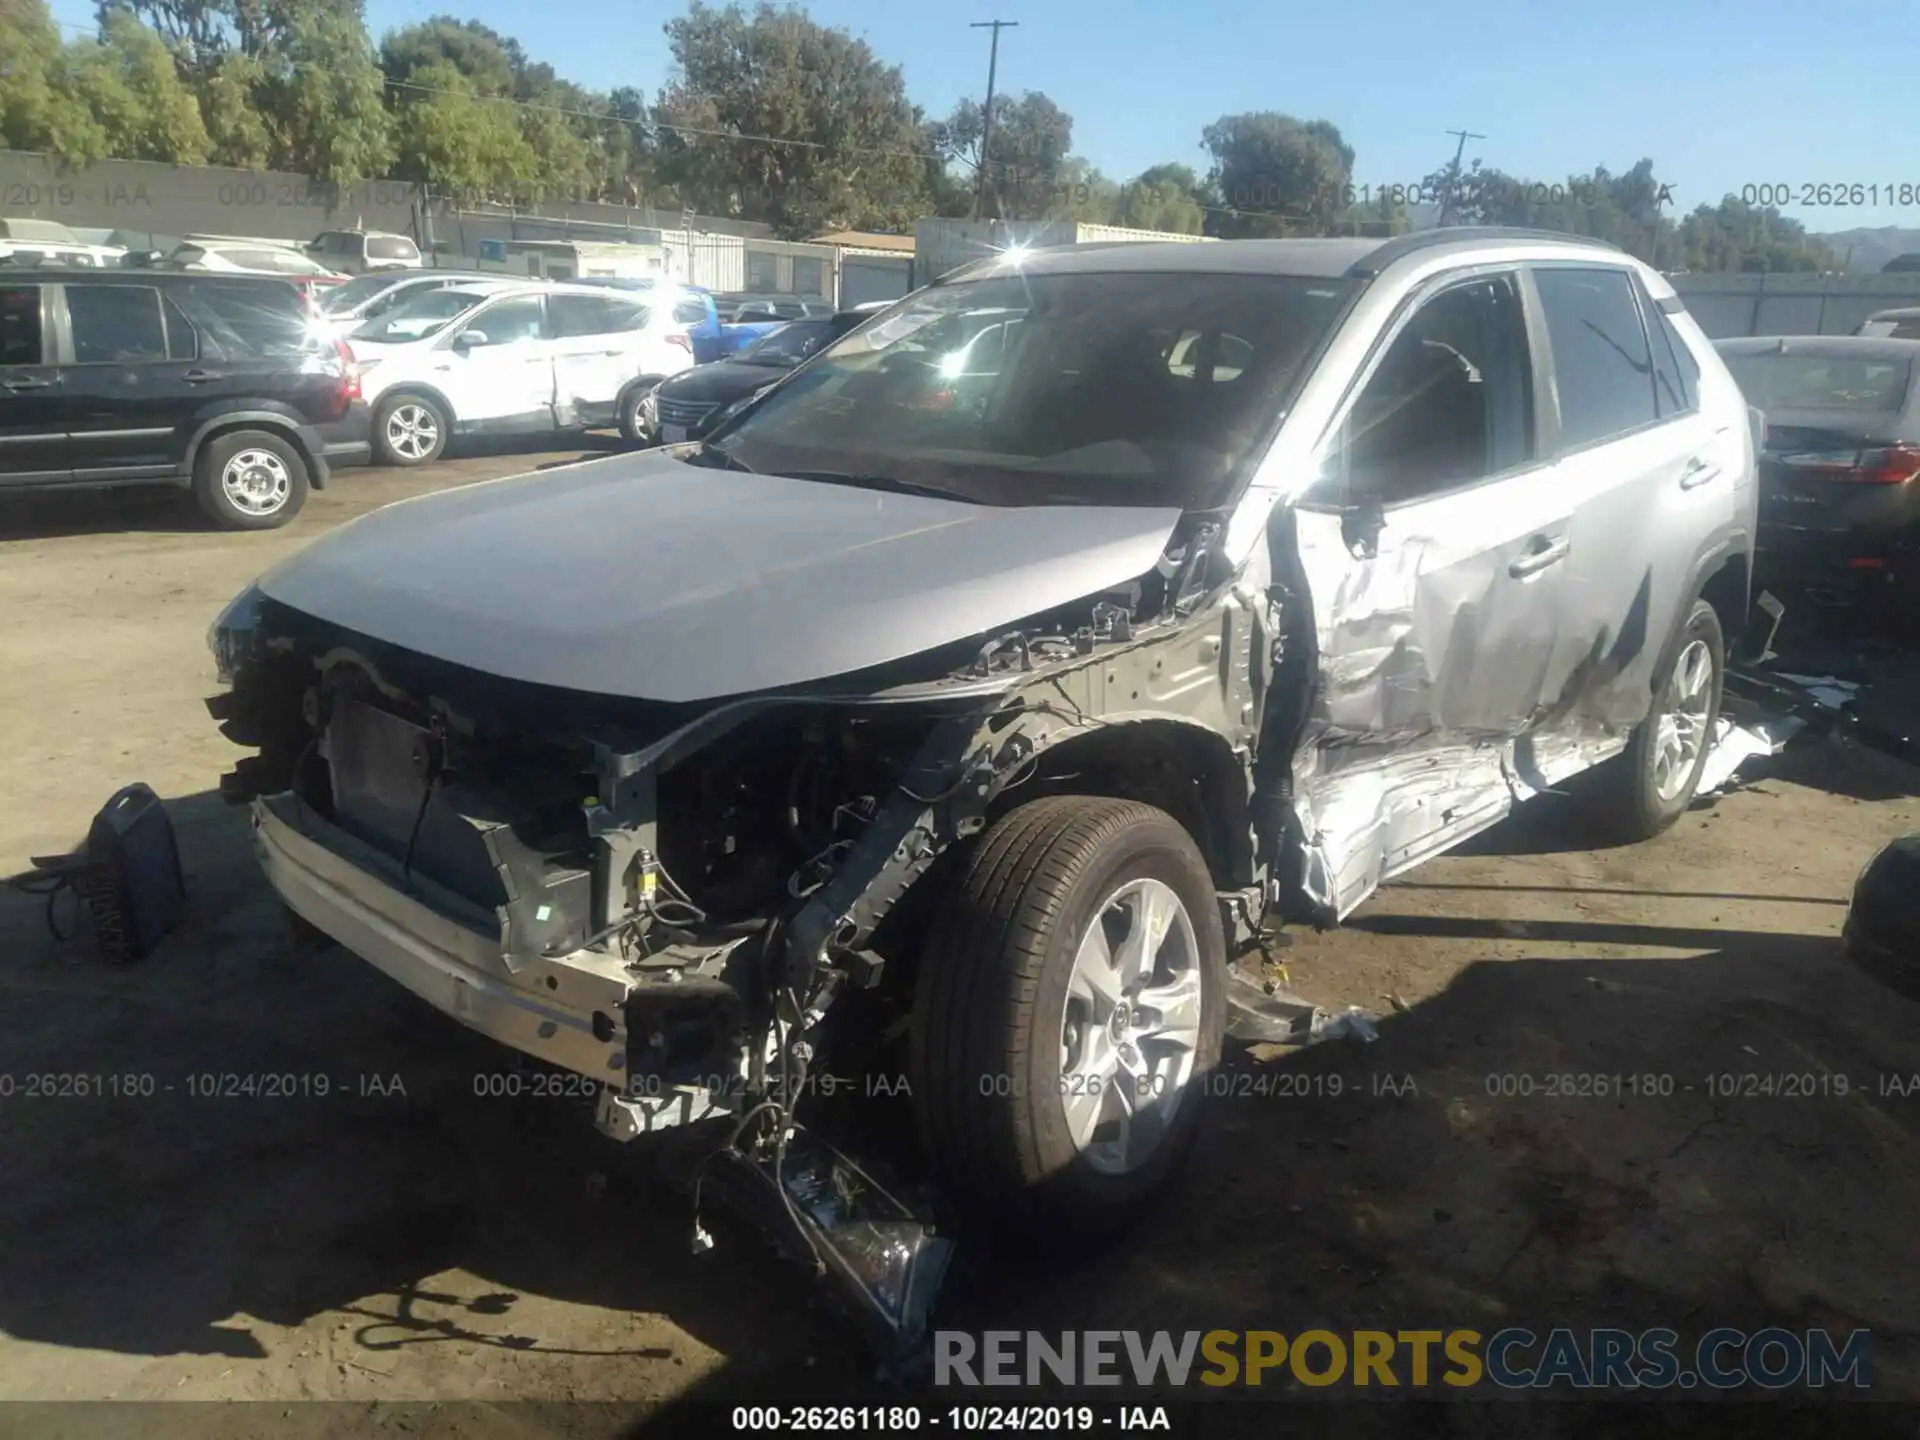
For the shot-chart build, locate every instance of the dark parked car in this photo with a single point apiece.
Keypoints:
(689, 404)
(1840, 472)
(225, 384)
(740, 309)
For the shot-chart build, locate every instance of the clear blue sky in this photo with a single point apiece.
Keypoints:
(1718, 97)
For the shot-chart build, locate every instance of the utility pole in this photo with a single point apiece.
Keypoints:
(1453, 175)
(986, 115)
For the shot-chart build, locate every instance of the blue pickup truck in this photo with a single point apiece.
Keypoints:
(696, 308)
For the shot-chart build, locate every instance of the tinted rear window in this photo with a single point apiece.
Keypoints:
(251, 319)
(391, 247)
(1821, 382)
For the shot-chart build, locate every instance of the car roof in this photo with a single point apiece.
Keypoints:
(1851, 347)
(148, 276)
(1307, 258)
(1904, 312)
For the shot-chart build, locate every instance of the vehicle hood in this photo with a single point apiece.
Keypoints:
(643, 577)
(723, 380)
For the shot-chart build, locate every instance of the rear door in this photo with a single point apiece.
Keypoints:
(1642, 467)
(33, 432)
(506, 383)
(596, 339)
(132, 380)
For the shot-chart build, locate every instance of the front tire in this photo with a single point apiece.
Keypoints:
(1068, 1013)
(250, 480)
(631, 416)
(409, 430)
(1643, 790)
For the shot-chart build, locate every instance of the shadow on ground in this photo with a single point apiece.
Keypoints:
(1435, 1178)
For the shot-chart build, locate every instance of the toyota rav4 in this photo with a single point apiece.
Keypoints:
(991, 682)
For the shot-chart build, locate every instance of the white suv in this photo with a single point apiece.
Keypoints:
(511, 357)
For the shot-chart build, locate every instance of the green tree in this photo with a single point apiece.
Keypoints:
(464, 144)
(1159, 201)
(772, 116)
(1902, 264)
(238, 132)
(1276, 174)
(39, 108)
(1029, 174)
(325, 94)
(127, 81)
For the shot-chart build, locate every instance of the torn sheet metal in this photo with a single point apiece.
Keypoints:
(1257, 1016)
(1734, 745)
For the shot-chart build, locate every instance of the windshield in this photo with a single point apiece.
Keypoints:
(427, 315)
(352, 294)
(1821, 382)
(788, 345)
(1117, 389)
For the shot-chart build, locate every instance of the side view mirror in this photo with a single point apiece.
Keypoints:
(469, 339)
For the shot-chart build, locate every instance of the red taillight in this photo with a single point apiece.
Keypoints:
(1883, 465)
(933, 400)
(350, 368)
(1894, 465)
(681, 340)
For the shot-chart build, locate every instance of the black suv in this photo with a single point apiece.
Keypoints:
(223, 383)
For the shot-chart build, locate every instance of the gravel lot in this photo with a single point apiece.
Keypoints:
(404, 1238)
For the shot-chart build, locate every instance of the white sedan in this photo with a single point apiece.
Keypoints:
(493, 357)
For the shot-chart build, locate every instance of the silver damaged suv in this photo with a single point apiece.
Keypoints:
(969, 700)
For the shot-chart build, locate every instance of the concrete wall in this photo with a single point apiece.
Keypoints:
(1734, 305)
(153, 204)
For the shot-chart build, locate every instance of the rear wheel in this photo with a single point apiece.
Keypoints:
(409, 430)
(250, 480)
(1068, 1012)
(1643, 790)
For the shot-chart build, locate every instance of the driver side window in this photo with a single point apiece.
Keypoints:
(1450, 403)
(512, 321)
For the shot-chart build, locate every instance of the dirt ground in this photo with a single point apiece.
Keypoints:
(403, 1237)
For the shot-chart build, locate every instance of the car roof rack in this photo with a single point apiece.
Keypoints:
(1401, 246)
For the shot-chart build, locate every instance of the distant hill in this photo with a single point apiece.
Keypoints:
(1871, 248)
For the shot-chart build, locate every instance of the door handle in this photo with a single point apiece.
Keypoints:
(1698, 472)
(200, 377)
(27, 382)
(1542, 551)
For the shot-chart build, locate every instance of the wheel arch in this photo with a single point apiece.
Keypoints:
(276, 425)
(1179, 766)
(418, 389)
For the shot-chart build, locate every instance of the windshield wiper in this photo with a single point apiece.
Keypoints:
(870, 482)
(727, 461)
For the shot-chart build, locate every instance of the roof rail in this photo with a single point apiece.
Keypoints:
(1402, 246)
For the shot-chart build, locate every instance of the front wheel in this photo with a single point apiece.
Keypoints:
(409, 430)
(1068, 1014)
(1649, 785)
